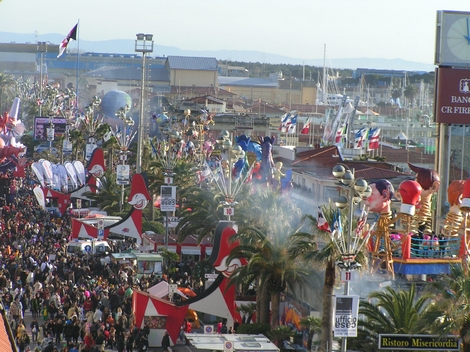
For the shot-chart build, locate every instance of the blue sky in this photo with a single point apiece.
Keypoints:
(387, 29)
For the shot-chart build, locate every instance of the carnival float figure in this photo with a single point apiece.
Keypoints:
(267, 163)
(454, 217)
(429, 181)
(380, 243)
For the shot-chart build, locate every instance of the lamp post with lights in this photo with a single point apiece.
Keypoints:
(227, 184)
(144, 45)
(350, 243)
(124, 139)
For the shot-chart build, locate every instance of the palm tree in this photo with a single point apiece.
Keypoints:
(449, 313)
(313, 325)
(246, 311)
(390, 312)
(201, 213)
(7, 82)
(316, 246)
(281, 334)
(109, 194)
(265, 245)
(410, 93)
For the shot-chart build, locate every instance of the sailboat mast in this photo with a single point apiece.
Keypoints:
(325, 84)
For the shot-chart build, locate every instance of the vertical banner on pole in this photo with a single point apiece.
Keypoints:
(122, 175)
(346, 316)
(168, 198)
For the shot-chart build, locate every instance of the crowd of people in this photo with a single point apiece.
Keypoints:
(74, 302)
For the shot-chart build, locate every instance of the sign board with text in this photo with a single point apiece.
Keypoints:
(346, 315)
(452, 96)
(418, 342)
(167, 198)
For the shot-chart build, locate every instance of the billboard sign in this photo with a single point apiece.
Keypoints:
(452, 96)
(346, 316)
(41, 124)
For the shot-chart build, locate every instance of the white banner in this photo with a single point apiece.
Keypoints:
(167, 198)
(346, 316)
(122, 175)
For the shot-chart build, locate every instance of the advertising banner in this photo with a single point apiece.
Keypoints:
(41, 124)
(452, 96)
(122, 175)
(168, 198)
(346, 315)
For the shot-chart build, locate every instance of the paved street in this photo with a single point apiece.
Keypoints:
(177, 348)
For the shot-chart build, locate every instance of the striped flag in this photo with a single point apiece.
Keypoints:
(359, 138)
(322, 224)
(72, 35)
(374, 136)
(361, 222)
(306, 128)
(340, 132)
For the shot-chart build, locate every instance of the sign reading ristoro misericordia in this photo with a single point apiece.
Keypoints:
(418, 342)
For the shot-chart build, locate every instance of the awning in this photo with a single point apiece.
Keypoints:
(191, 251)
(170, 248)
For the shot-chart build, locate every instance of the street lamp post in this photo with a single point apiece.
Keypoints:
(144, 45)
(42, 48)
(349, 244)
(227, 184)
(124, 139)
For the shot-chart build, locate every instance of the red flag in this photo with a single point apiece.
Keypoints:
(374, 138)
(72, 35)
(322, 224)
(306, 128)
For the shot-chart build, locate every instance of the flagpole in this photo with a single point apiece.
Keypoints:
(78, 65)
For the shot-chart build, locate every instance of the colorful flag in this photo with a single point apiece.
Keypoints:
(361, 223)
(374, 136)
(340, 132)
(291, 128)
(322, 224)
(306, 128)
(359, 138)
(337, 228)
(285, 121)
(107, 136)
(72, 35)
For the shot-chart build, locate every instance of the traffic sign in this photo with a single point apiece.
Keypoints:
(88, 248)
(168, 180)
(229, 211)
(100, 233)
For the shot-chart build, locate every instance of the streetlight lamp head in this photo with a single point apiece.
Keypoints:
(140, 36)
(148, 36)
(341, 202)
(367, 192)
(225, 134)
(348, 178)
(338, 171)
(360, 185)
(236, 150)
(226, 144)
(220, 139)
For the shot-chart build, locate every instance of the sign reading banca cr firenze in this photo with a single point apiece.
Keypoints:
(453, 96)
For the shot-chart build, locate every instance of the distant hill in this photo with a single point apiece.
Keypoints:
(126, 46)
